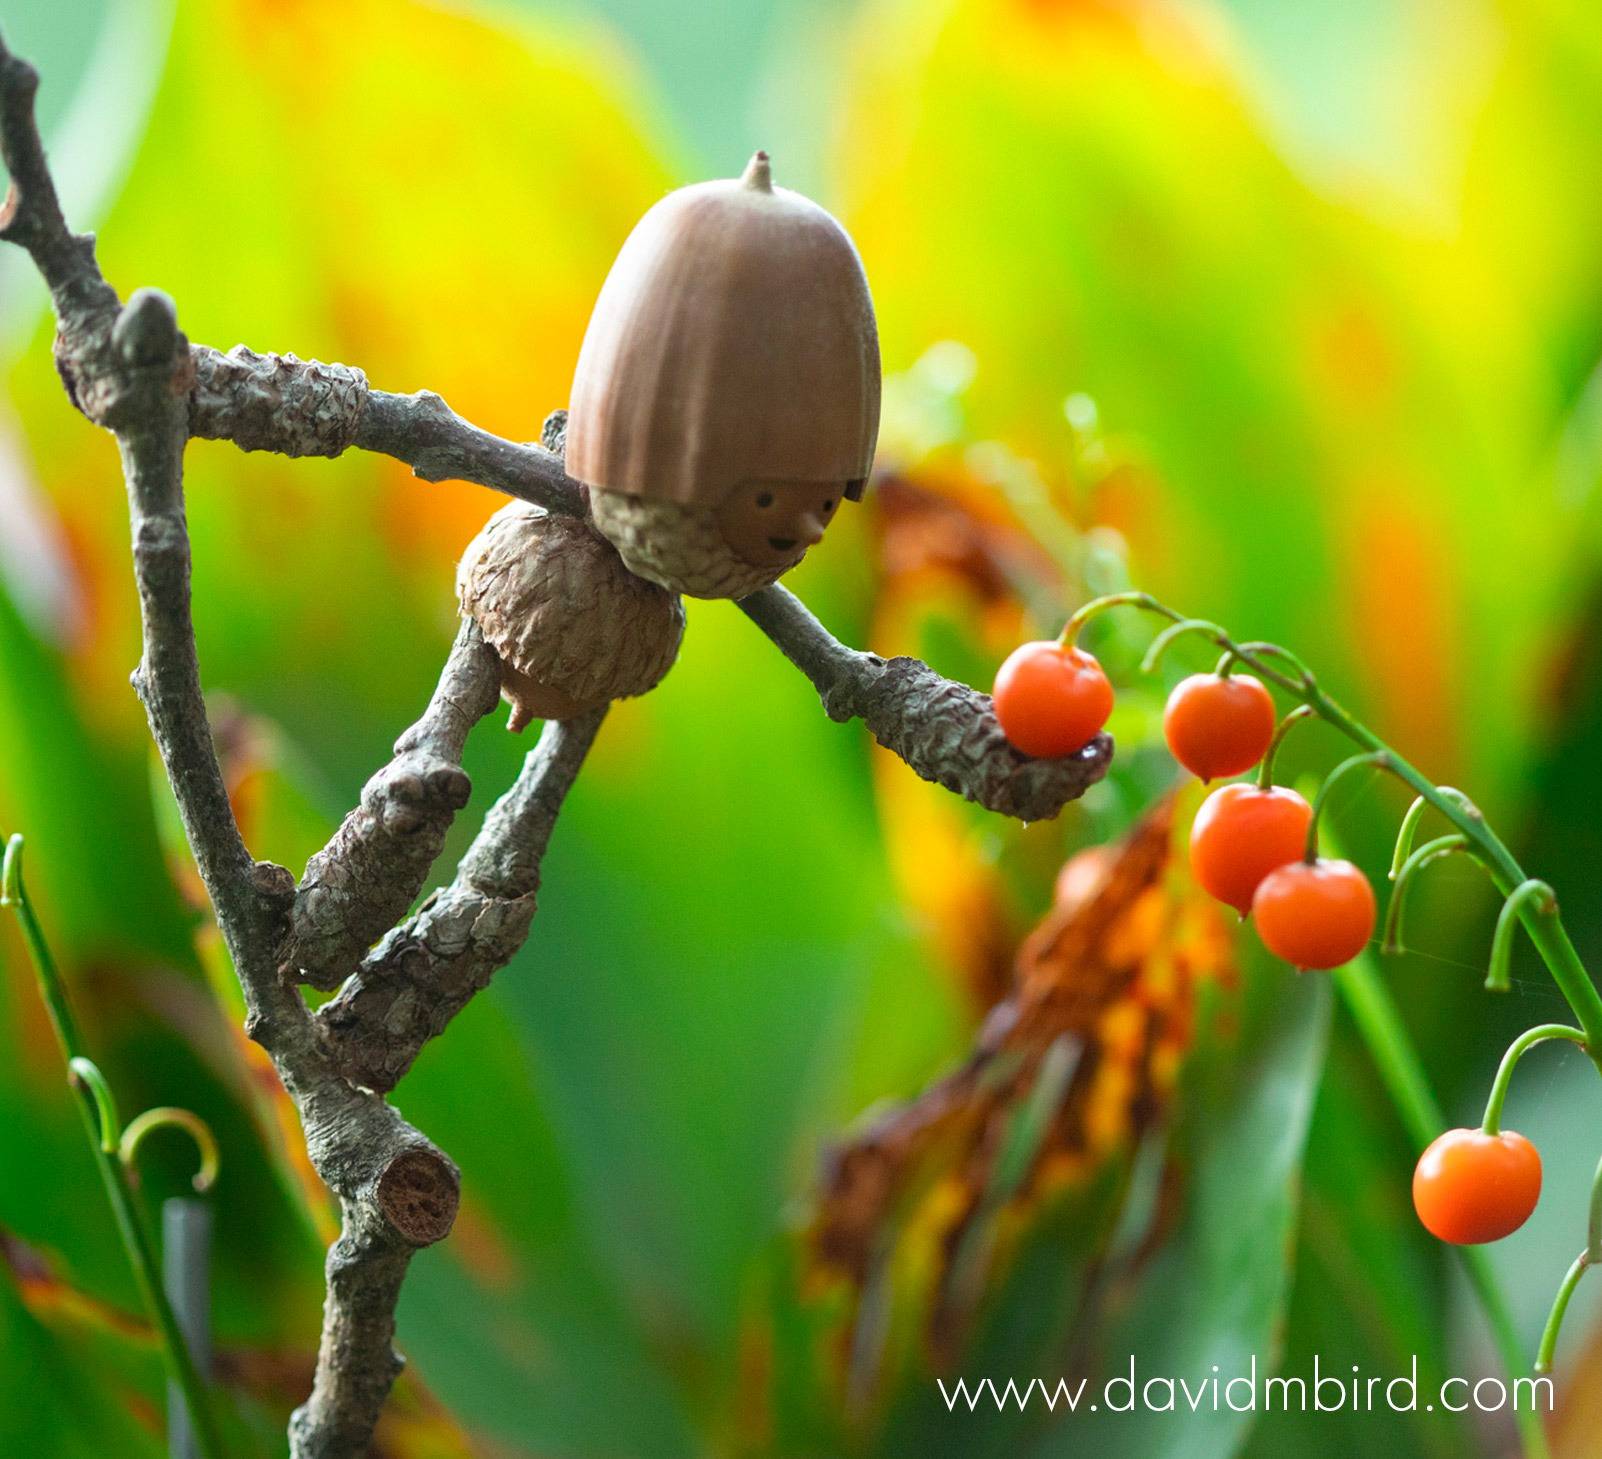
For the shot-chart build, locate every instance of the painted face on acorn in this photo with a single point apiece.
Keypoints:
(773, 523)
(726, 396)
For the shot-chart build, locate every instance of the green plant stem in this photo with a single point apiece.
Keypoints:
(99, 1118)
(1404, 836)
(1377, 759)
(1593, 1230)
(164, 1117)
(1498, 977)
(1265, 770)
(1554, 1323)
(1379, 1024)
(1543, 921)
(1171, 634)
(1415, 813)
(1582, 1264)
(1492, 1123)
(1391, 936)
(1537, 910)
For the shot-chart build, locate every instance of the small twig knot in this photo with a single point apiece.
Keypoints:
(146, 331)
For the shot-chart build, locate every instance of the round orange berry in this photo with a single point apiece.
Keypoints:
(1243, 832)
(1218, 726)
(1470, 1187)
(1315, 914)
(1051, 699)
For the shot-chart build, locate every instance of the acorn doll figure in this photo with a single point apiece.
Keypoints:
(725, 403)
(726, 399)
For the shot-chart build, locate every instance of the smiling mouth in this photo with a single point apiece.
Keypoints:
(782, 544)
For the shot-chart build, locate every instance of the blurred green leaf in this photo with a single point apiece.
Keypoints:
(1215, 1294)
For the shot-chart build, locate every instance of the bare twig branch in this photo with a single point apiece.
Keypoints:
(420, 976)
(31, 215)
(130, 370)
(358, 886)
(945, 731)
(397, 1193)
(303, 408)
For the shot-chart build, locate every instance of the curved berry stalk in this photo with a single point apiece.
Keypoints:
(116, 1149)
(1527, 902)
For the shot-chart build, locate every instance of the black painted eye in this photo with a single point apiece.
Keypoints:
(765, 500)
(828, 506)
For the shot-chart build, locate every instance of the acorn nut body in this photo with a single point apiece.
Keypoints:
(573, 627)
(726, 399)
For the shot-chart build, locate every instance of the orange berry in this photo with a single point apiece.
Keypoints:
(1219, 726)
(1051, 699)
(1315, 914)
(1471, 1187)
(1240, 834)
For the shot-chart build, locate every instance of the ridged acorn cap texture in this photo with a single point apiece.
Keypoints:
(573, 626)
(679, 547)
(734, 340)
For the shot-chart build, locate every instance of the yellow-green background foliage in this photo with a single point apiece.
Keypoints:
(1288, 313)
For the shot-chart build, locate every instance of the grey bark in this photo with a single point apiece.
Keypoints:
(359, 885)
(130, 370)
(423, 974)
(305, 408)
(945, 731)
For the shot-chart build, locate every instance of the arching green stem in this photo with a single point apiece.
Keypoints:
(1554, 1323)
(1593, 1229)
(141, 1127)
(1542, 901)
(1380, 759)
(101, 1125)
(1404, 835)
(1582, 1264)
(1097, 606)
(1546, 929)
(1164, 640)
(1265, 770)
(1492, 1123)
(1379, 1022)
(85, 1074)
(14, 895)
(1391, 938)
(1253, 654)
(1415, 813)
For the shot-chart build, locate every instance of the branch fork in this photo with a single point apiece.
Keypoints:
(344, 924)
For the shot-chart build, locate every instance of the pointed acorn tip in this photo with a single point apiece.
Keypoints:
(758, 173)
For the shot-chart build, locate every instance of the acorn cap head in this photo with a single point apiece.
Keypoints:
(733, 341)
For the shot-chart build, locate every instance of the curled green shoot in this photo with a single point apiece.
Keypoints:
(1542, 1033)
(1441, 846)
(102, 1126)
(1540, 899)
(166, 1117)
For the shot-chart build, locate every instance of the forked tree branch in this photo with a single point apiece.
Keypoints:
(425, 972)
(362, 883)
(132, 372)
(305, 408)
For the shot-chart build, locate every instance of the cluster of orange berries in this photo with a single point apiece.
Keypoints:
(1250, 848)
(1248, 842)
